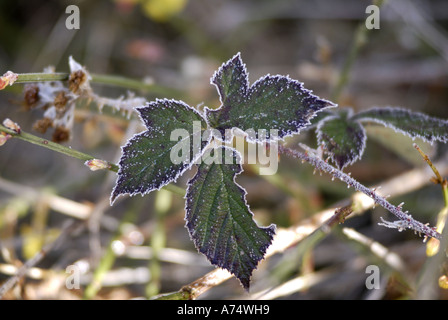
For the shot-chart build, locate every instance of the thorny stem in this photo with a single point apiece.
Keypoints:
(407, 222)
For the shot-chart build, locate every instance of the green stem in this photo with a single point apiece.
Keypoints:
(38, 77)
(105, 265)
(28, 137)
(108, 260)
(158, 242)
(359, 40)
(445, 195)
(133, 84)
(117, 81)
(289, 264)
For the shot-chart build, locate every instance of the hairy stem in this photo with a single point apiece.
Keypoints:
(407, 222)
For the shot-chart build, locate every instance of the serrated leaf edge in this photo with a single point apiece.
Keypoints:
(249, 87)
(349, 117)
(235, 58)
(271, 227)
(114, 197)
(359, 117)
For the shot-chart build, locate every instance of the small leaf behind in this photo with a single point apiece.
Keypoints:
(413, 124)
(343, 138)
(272, 102)
(219, 220)
(146, 163)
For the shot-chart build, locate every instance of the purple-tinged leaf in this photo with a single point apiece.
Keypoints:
(219, 220)
(271, 103)
(343, 138)
(314, 122)
(147, 161)
(413, 124)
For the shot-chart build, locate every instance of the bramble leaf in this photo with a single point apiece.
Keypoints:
(343, 138)
(320, 117)
(150, 160)
(272, 102)
(413, 124)
(219, 220)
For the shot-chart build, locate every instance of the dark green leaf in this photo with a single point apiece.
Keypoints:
(343, 138)
(273, 102)
(231, 81)
(413, 124)
(219, 220)
(320, 117)
(147, 162)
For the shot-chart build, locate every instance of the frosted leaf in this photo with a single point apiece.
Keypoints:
(146, 163)
(219, 220)
(342, 138)
(413, 124)
(272, 102)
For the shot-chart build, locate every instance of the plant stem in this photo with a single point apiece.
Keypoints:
(111, 80)
(359, 40)
(288, 237)
(443, 182)
(407, 222)
(39, 77)
(70, 228)
(108, 260)
(158, 242)
(28, 137)
(133, 84)
(217, 276)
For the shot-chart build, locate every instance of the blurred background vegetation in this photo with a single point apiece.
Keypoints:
(174, 47)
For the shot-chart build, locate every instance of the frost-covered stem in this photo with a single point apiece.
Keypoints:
(407, 222)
